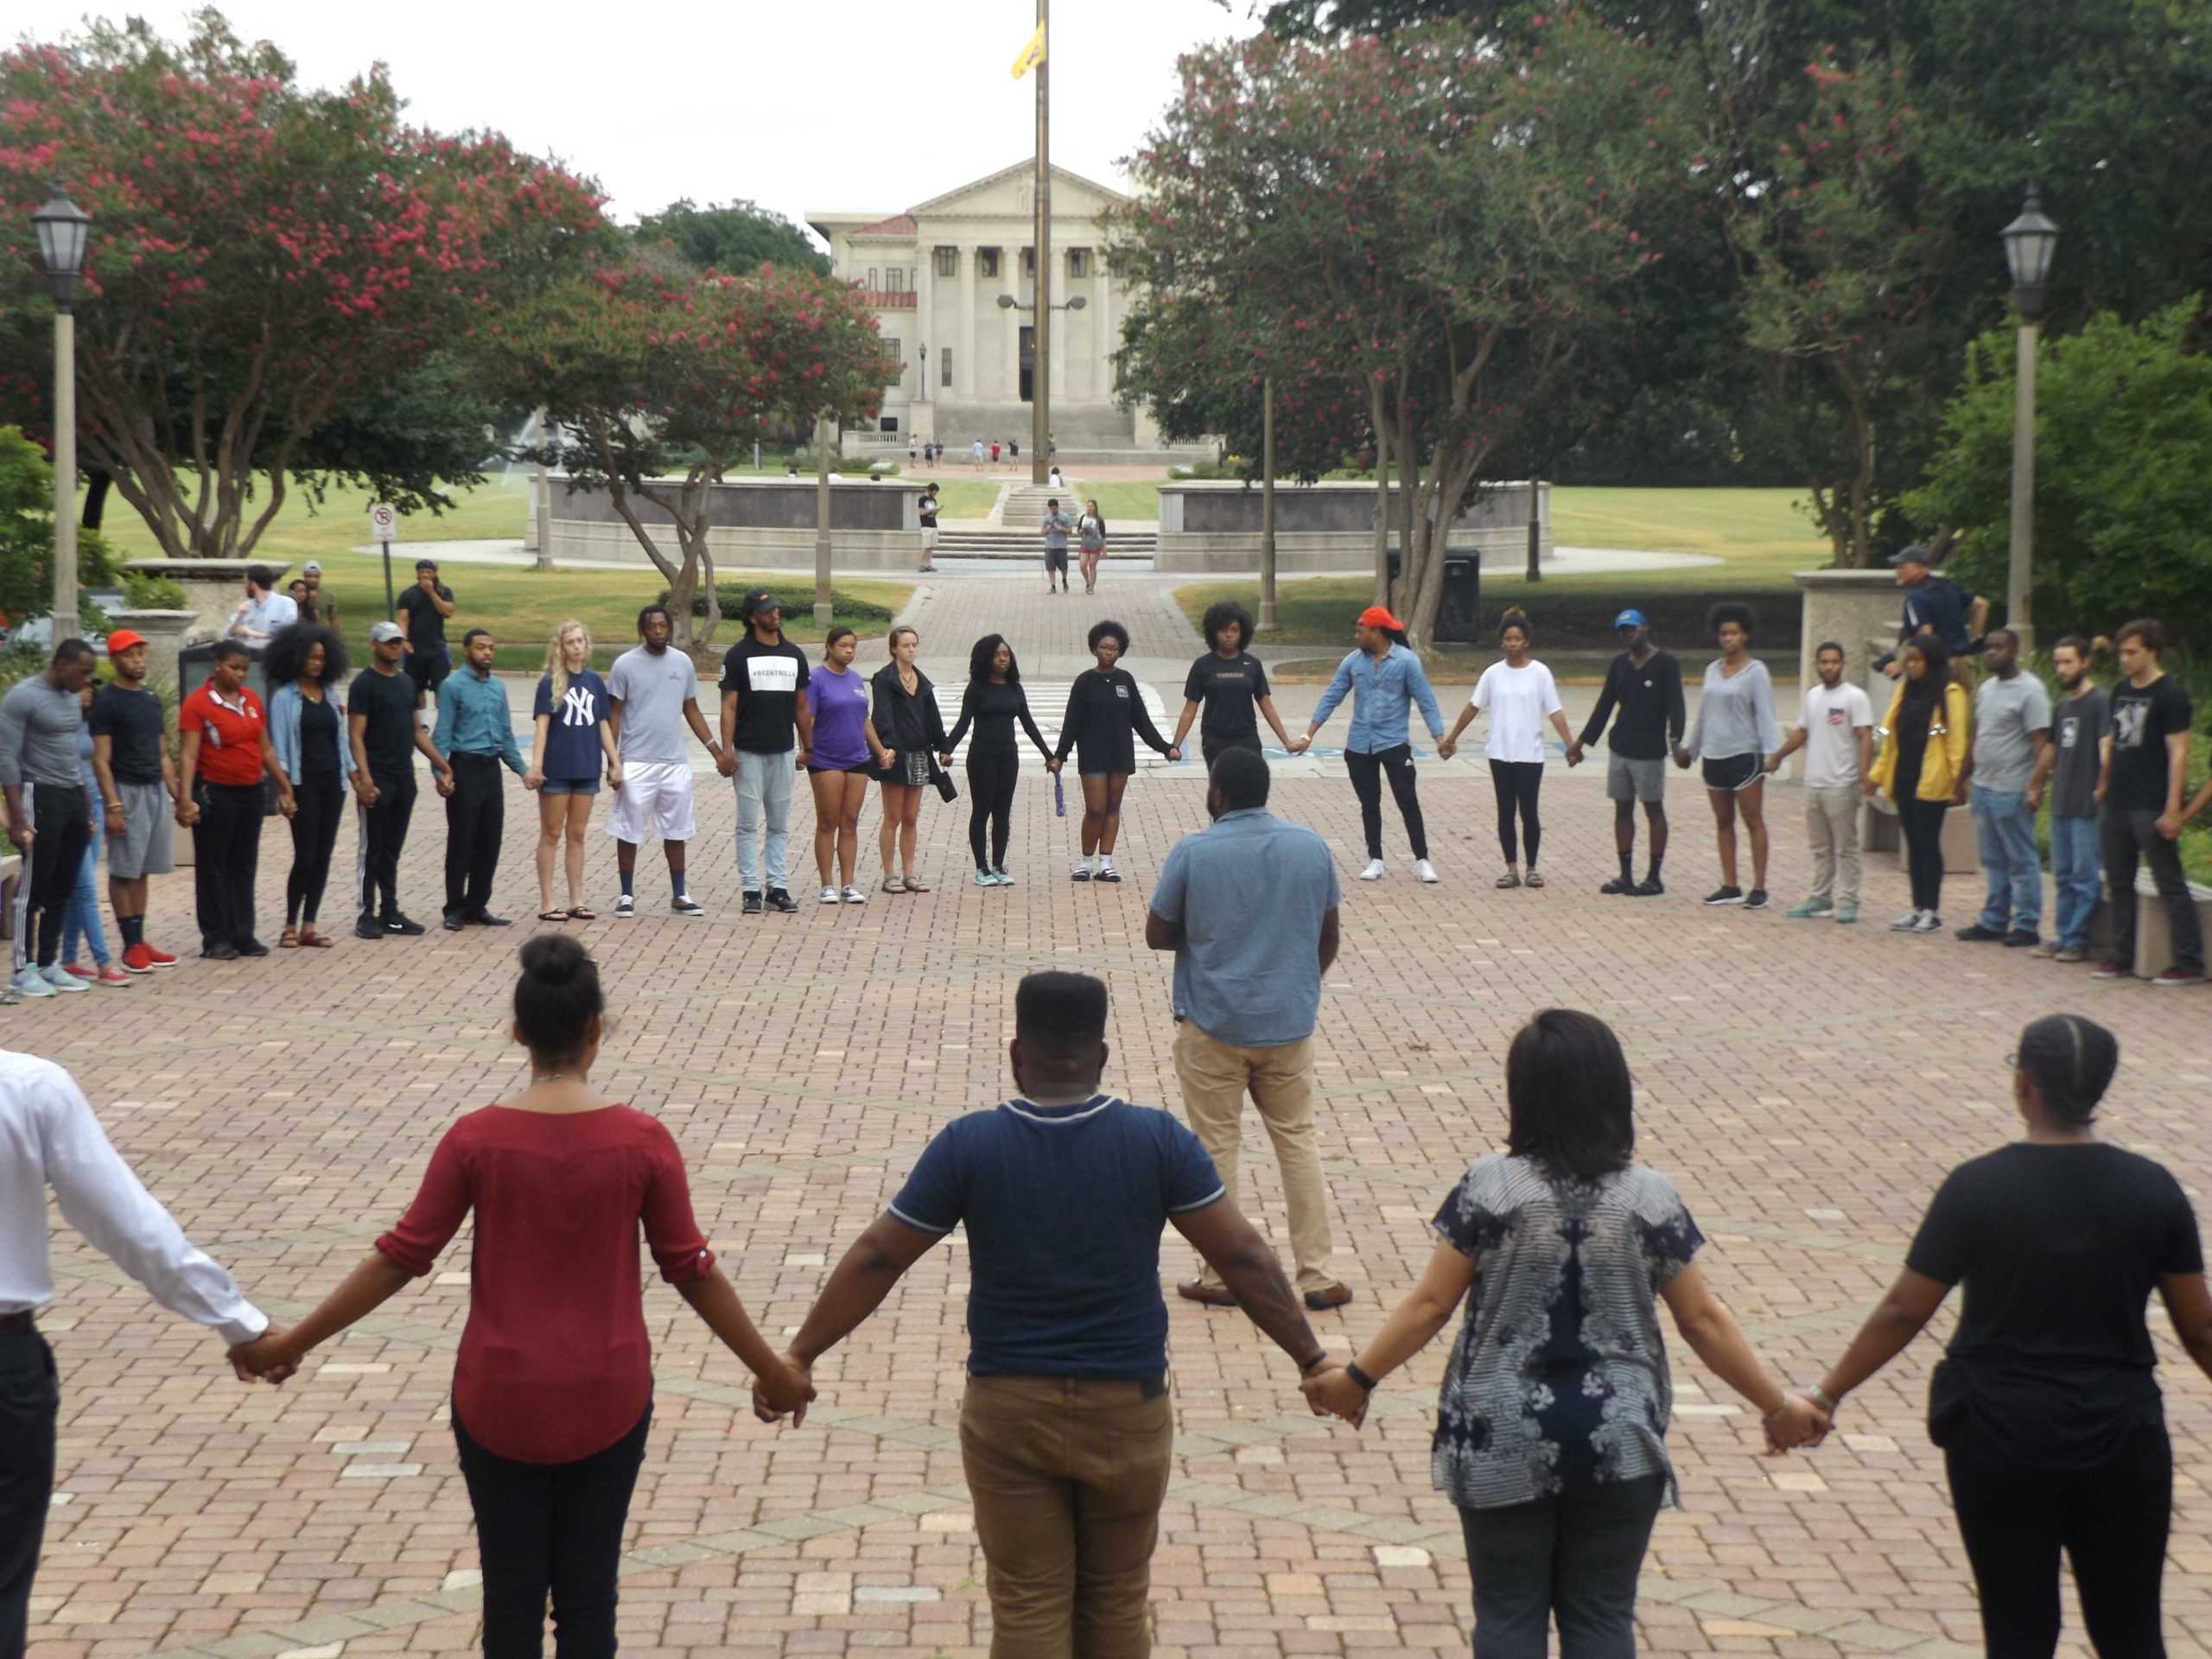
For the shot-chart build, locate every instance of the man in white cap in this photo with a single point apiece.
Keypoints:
(320, 607)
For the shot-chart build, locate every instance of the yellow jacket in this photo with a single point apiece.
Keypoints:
(1945, 754)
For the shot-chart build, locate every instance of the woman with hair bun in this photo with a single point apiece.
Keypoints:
(552, 1388)
(304, 668)
(1520, 696)
(2053, 1432)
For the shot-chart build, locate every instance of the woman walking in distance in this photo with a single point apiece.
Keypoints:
(1105, 710)
(907, 725)
(1090, 544)
(1734, 732)
(2053, 1432)
(304, 668)
(846, 753)
(992, 702)
(1229, 684)
(571, 744)
(1923, 756)
(552, 1388)
(1520, 696)
(1551, 1437)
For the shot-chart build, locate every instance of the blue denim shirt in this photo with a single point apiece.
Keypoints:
(1383, 693)
(473, 719)
(284, 728)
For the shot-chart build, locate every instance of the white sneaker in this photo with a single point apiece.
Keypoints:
(1004, 880)
(1426, 871)
(1929, 922)
(1905, 924)
(829, 896)
(625, 908)
(852, 896)
(28, 981)
(62, 979)
(1373, 871)
(985, 878)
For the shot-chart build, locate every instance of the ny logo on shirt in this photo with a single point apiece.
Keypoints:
(576, 706)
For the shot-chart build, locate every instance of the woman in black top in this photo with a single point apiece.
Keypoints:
(1105, 706)
(2051, 1427)
(906, 720)
(1229, 685)
(303, 668)
(994, 701)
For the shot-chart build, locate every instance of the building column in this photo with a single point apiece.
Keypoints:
(963, 371)
(925, 322)
(1062, 321)
(1014, 315)
(1101, 332)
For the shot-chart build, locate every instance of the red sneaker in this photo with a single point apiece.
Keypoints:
(110, 974)
(78, 970)
(137, 959)
(157, 958)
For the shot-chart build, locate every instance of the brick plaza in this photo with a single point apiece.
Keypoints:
(1806, 1086)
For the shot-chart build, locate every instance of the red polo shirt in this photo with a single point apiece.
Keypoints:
(230, 737)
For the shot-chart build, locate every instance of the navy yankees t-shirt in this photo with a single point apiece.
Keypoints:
(572, 751)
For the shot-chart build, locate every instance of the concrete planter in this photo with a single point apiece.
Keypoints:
(167, 632)
(213, 588)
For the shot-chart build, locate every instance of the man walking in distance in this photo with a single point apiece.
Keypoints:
(1385, 679)
(422, 610)
(223, 734)
(1249, 907)
(652, 694)
(2146, 760)
(1646, 684)
(2011, 726)
(137, 785)
(49, 814)
(320, 606)
(2071, 763)
(1066, 1428)
(1054, 527)
(764, 702)
(476, 735)
(927, 508)
(384, 738)
(49, 1137)
(1835, 727)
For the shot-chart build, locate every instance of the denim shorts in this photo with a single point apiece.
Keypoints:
(569, 786)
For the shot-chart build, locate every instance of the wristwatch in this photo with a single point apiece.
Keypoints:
(1365, 1381)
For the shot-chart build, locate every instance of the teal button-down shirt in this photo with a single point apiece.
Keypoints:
(473, 719)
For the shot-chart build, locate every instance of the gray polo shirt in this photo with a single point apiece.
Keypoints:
(1247, 895)
(2005, 713)
(653, 690)
(39, 723)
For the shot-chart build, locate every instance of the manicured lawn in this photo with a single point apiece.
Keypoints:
(304, 530)
(1135, 498)
(1759, 528)
(960, 498)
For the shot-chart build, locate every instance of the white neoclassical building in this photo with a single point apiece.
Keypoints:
(935, 274)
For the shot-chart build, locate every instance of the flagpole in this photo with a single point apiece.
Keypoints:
(1040, 406)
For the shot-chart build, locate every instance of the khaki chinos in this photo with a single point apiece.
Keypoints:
(1216, 1076)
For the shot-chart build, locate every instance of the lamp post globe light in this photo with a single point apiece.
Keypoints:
(63, 229)
(2029, 242)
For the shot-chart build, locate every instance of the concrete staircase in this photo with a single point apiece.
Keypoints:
(970, 539)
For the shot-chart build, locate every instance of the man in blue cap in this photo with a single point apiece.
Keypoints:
(1646, 683)
(1935, 605)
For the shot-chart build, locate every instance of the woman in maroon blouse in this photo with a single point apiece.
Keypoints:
(552, 1390)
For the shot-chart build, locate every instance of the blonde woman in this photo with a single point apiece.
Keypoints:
(572, 738)
(908, 724)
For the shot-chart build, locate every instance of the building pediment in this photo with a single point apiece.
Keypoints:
(1010, 192)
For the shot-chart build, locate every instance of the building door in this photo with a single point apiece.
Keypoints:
(1028, 365)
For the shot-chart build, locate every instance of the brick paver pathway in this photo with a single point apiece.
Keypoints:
(1806, 1086)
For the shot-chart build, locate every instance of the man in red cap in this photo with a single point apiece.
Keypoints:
(1385, 679)
(137, 785)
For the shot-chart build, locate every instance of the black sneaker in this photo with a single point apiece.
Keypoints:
(752, 903)
(1724, 896)
(221, 950)
(368, 928)
(485, 918)
(407, 925)
(452, 921)
(1619, 884)
(252, 948)
(1754, 899)
(684, 905)
(1977, 934)
(2023, 938)
(780, 900)
(1650, 888)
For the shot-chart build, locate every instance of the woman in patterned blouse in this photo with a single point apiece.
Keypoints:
(1551, 1429)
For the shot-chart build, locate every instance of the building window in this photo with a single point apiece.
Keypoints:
(944, 366)
(872, 275)
(1029, 261)
(1078, 262)
(895, 281)
(892, 344)
(948, 262)
(987, 262)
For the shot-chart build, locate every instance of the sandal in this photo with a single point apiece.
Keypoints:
(290, 939)
(893, 884)
(583, 913)
(1508, 879)
(309, 937)
(1533, 880)
(916, 885)
(552, 915)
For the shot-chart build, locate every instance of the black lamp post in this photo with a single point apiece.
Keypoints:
(63, 228)
(2029, 242)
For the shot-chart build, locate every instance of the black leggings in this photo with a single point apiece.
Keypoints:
(60, 815)
(551, 1527)
(990, 795)
(1367, 771)
(1923, 824)
(320, 800)
(2111, 1522)
(1517, 783)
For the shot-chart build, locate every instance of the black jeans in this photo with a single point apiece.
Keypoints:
(321, 797)
(2127, 837)
(227, 852)
(1923, 824)
(1212, 748)
(30, 1400)
(990, 795)
(1517, 783)
(1367, 771)
(2111, 1522)
(475, 817)
(551, 1528)
(384, 836)
(59, 814)
(1574, 1556)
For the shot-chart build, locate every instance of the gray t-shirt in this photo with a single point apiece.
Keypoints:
(39, 725)
(1056, 526)
(652, 691)
(2005, 713)
(2078, 726)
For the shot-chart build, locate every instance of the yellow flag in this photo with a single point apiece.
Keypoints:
(1031, 54)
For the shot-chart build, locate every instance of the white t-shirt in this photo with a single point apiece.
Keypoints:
(1833, 721)
(1520, 699)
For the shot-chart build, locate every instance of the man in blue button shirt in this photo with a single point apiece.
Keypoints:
(1249, 909)
(1384, 676)
(476, 735)
(1066, 1429)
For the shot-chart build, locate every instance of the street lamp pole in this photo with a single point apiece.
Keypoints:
(2030, 241)
(62, 227)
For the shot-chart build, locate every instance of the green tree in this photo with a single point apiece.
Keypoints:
(733, 237)
(27, 536)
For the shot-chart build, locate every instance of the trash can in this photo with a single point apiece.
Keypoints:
(1458, 611)
(196, 666)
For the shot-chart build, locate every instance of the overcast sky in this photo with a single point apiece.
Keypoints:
(804, 105)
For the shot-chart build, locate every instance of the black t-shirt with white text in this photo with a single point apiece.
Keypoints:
(768, 680)
(386, 703)
(2143, 718)
(1230, 688)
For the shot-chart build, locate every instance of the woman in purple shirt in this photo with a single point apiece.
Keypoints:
(846, 753)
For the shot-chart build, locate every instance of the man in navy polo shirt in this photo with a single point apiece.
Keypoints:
(1066, 1432)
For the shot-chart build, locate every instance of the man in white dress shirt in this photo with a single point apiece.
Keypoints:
(264, 612)
(48, 1136)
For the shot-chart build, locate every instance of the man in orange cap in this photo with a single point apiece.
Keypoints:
(137, 785)
(1385, 679)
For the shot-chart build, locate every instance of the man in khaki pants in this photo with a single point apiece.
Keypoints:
(1835, 729)
(1248, 907)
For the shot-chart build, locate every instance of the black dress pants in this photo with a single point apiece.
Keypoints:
(320, 798)
(1923, 824)
(551, 1528)
(1212, 748)
(1367, 771)
(30, 1400)
(990, 796)
(60, 814)
(383, 838)
(475, 817)
(227, 852)
(2127, 837)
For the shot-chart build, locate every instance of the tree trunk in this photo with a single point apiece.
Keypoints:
(1382, 428)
